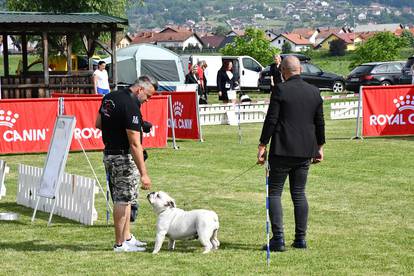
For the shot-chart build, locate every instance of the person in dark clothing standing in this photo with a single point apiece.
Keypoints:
(275, 72)
(119, 118)
(295, 123)
(225, 80)
(202, 66)
(192, 76)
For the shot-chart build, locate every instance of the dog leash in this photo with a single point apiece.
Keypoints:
(231, 180)
(244, 172)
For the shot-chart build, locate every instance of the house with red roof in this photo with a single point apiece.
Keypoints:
(170, 37)
(325, 32)
(361, 37)
(347, 38)
(400, 31)
(297, 42)
(212, 41)
(123, 42)
(236, 33)
(308, 33)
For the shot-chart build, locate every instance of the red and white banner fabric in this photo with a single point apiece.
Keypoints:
(185, 115)
(388, 110)
(85, 111)
(26, 125)
(155, 111)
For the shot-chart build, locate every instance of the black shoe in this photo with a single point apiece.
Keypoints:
(275, 245)
(301, 244)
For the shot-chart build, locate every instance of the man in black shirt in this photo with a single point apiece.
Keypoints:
(119, 118)
(275, 73)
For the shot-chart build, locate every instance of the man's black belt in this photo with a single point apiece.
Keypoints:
(116, 151)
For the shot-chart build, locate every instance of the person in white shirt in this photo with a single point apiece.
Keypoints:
(100, 79)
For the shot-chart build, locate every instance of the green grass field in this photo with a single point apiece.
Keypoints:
(361, 212)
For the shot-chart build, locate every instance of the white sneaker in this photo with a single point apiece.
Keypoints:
(128, 248)
(135, 242)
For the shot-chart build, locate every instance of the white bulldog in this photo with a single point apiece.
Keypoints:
(178, 224)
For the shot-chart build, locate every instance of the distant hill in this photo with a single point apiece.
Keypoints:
(274, 14)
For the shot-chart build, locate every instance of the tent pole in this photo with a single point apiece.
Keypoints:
(113, 57)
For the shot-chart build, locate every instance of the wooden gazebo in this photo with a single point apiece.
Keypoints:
(88, 26)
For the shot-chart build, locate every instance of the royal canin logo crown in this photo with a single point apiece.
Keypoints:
(404, 102)
(7, 118)
(178, 108)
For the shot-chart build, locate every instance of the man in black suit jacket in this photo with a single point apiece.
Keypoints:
(295, 123)
(275, 72)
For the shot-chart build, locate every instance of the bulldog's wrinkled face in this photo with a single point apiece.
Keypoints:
(160, 201)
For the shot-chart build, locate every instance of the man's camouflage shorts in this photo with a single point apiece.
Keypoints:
(123, 177)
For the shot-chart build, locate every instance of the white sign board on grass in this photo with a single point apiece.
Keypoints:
(57, 156)
(56, 160)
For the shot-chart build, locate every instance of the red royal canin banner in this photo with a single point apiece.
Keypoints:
(388, 110)
(86, 109)
(27, 125)
(155, 111)
(184, 110)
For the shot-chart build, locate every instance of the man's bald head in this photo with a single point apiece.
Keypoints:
(290, 67)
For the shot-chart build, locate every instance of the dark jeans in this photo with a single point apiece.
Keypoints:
(297, 169)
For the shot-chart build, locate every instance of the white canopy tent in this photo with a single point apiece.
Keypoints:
(147, 59)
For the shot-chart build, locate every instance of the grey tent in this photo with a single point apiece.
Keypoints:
(147, 59)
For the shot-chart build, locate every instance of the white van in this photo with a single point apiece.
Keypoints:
(246, 69)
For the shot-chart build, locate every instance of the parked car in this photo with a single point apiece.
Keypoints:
(301, 57)
(407, 77)
(310, 73)
(374, 73)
